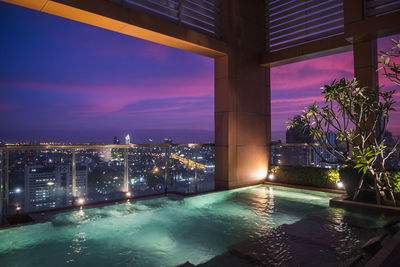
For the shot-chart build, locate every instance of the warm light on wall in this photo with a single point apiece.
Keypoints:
(261, 174)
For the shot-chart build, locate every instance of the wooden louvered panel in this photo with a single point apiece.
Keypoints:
(298, 21)
(316, 9)
(198, 16)
(199, 9)
(379, 7)
(152, 6)
(309, 39)
(306, 19)
(307, 24)
(307, 32)
(201, 15)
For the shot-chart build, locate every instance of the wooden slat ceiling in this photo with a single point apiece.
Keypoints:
(199, 15)
(380, 7)
(295, 22)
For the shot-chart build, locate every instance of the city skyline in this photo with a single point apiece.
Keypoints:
(65, 81)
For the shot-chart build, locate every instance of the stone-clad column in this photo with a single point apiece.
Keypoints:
(366, 62)
(242, 97)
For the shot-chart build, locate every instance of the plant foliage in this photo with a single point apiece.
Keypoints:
(359, 116)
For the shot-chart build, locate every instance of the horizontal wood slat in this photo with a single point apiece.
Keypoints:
(379, 7)
(308, 32)
(309, 39)
(200, 15)
(305, 25)
(299, 21)
(305, 12)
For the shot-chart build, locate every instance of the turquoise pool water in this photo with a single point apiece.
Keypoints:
(166, 231)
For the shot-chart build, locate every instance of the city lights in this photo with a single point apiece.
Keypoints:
(18, 190)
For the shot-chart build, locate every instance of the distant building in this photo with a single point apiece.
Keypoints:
(51, 187)
(167, 141)
(276, 153)
(323, 162)
(127, 139)
(299, 133)
(116, 141)
(297, 155)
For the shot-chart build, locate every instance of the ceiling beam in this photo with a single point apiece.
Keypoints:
(110, 16)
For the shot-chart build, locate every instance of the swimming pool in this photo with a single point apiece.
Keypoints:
(169, 231)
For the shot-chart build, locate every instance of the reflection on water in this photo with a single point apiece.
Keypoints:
(170, 231)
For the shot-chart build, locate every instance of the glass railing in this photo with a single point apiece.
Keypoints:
(304, 155)
(46, 177)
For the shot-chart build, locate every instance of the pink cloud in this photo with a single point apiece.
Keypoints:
(297, 101)
(102, 99)
(312, 73)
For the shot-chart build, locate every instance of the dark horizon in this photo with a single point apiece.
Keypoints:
(178, 136)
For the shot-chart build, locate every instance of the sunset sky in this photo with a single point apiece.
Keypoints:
(62, 80)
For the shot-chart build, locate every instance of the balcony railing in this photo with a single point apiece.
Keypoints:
(44, 177)
(303, 155)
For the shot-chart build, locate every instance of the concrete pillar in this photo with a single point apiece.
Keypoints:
(366, 62)
(242, 97)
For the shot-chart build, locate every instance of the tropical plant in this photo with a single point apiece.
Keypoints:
(359, 117)
(388, 65)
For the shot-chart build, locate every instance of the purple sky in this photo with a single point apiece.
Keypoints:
(295, 86)
(62, 80)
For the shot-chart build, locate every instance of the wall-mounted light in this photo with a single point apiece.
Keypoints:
(128, 194)
(80, 201)
(340, 185)
(271, 176)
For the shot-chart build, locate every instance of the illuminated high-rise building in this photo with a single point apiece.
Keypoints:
(127, 139)
(51, 187)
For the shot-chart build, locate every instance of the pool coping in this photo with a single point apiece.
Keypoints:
(325, 190)
(389, 250)
(342, 202)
